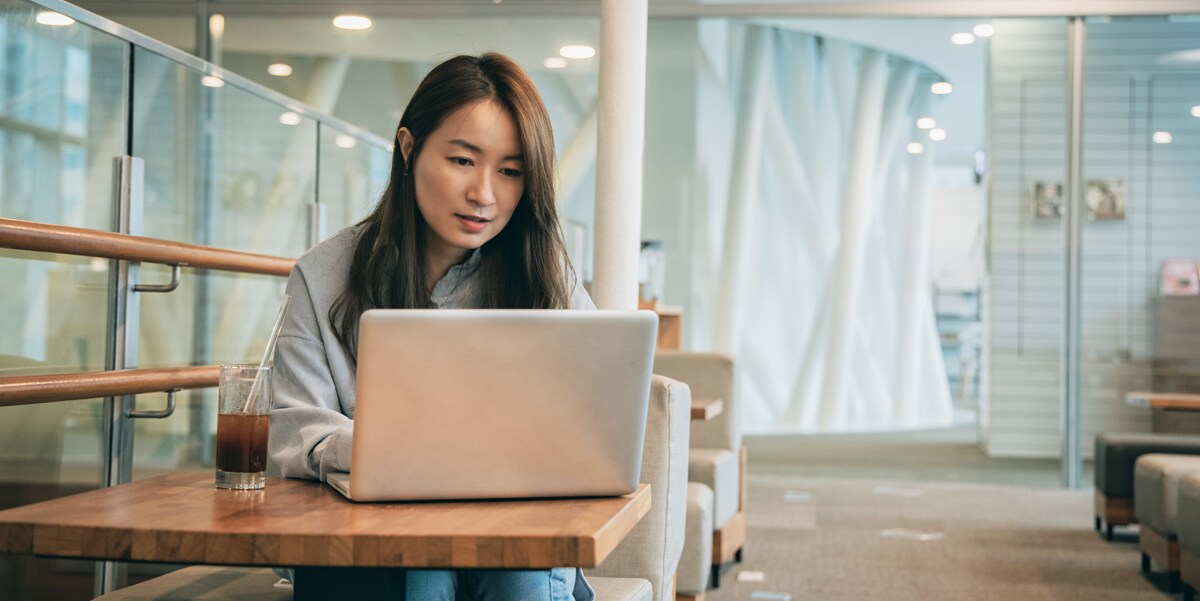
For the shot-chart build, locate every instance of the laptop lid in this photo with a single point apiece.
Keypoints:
(477, 404)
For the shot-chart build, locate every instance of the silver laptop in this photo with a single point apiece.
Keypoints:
(487, 404)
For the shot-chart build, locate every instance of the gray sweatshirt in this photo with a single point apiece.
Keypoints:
(312, 414)
(313, 410)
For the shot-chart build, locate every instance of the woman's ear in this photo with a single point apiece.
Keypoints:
(404, 143)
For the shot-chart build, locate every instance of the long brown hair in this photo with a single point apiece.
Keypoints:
(523, 266)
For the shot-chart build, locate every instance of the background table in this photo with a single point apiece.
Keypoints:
(706, 409)
(1173, 412)
(181, 518)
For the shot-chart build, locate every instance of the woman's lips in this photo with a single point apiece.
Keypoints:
(472, 223)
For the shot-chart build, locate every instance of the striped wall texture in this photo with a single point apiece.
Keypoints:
(1137, 81)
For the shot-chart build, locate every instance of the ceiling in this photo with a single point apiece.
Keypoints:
(302, 28)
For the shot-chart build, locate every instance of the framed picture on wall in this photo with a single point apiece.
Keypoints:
(1180, 277)
(1047, 200)
(1105, 199)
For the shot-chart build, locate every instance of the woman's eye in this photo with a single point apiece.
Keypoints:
(510, 172)
(461, 161)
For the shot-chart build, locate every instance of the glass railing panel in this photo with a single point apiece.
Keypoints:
(62, 122)
(353, 174)
(62, 118)
(227, 168)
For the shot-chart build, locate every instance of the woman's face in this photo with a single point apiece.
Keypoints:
(468, 177)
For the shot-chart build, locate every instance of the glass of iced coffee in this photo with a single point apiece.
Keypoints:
(243, 422)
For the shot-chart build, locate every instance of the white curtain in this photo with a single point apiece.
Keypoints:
(822, 292)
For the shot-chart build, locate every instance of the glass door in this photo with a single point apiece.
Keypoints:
(1140, 300)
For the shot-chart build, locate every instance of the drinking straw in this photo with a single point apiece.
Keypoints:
(267, 354)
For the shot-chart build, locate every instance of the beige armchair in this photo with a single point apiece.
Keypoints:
(716, 457)
(642, 567)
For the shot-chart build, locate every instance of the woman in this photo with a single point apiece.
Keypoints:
(467, 221)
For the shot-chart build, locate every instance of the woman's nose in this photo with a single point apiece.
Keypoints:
(481, 193)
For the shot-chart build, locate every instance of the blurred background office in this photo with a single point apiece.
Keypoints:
(861, 202)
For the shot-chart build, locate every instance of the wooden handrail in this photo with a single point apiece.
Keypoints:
(31, 390)
(43, 237)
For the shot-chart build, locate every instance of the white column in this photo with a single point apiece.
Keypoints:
(855, 228)
(621, 124)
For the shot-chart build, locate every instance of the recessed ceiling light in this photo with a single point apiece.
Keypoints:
(937, 134)
(280, 69)
(962, 39)
(49, 17)
(1162, 137)
(210, 81)
(345, 141)
(1196, 111)
(915, 148)
(577, 52)
(555, 62)
(216, 25)
(984, 30)
(926, 123)
(290, 118)
(941, 87)
(351, 22)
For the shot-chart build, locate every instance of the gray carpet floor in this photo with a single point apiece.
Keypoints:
(834, 539)
(923, 515)
(855, 539)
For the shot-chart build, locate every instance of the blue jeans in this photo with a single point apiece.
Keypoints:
(555, 584)
(490, 585)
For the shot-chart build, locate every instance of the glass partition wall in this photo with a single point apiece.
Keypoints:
(1080, 308)
(227, 163)
(1140, 241)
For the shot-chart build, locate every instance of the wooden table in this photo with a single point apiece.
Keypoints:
(670, 323)
(706, 409)
(1171, 412)
(181, 518)
(1163, 400)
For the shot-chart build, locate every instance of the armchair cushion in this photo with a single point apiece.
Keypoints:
(1156, 489)
(652, 550)
(1116, 453)
(622, 589)
(696, 561)
(717, 469)
(1189, 512)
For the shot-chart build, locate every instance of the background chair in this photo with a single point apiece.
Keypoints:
(650, 554)
(1156, 495)
(716, 457)
(1116, 453)
(1189, 534)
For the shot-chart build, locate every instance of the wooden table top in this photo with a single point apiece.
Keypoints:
(706, 409)
(181, 518)
(1163, 400)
